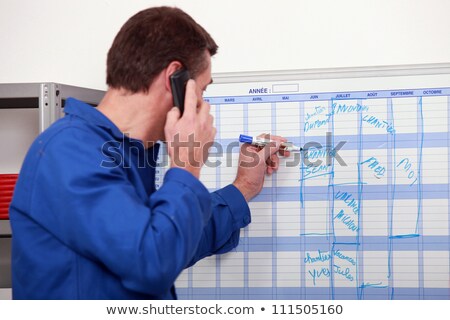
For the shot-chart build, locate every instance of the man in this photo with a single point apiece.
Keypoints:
(87, 221)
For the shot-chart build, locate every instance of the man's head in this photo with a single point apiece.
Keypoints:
(149, 41)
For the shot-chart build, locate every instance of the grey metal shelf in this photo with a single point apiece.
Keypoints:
(45, 103)
(48, 97)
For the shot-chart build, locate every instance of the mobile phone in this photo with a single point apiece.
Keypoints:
(178, 81)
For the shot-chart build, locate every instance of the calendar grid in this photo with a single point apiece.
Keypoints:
(374, 227)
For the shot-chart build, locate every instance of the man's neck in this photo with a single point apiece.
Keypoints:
(136, 115)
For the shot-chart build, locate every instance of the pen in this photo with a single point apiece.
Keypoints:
(261, 142)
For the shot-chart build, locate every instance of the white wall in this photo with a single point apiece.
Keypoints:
(67, 41)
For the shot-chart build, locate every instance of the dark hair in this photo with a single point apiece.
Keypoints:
(149, 41)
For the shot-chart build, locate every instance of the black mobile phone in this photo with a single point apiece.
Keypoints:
(178, 81)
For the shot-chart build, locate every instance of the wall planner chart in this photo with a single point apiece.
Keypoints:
(362, 212)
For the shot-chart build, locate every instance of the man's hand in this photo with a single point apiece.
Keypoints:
(254, 163)
(190, 137)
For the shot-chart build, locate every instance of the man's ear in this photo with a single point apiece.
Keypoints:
(171, 68)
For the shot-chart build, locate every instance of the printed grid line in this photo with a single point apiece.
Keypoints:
(218, 175)
(391, 185)
(273, 110)
(360, 235)
(448, 176)
(331, 192)
(245, 238)
(302, 210)
(420, 129)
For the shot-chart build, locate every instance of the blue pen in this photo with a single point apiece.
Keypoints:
(261, 142)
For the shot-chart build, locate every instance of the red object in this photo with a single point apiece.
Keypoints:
(7, 184)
